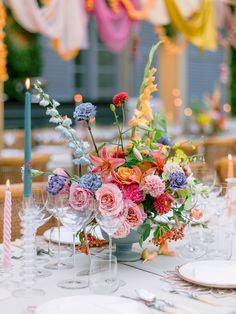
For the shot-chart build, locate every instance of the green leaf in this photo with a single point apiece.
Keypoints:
(144, 231)
(160, 231)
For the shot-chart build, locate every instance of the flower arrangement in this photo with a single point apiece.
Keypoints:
(145, 174)
(210, 120)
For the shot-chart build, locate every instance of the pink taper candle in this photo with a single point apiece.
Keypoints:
(7, 228)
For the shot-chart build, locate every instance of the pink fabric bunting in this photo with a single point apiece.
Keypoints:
(114, 28)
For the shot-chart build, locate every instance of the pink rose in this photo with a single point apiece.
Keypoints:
(62, 172)
(110, 199)
(79, 198)
(123, 231)
(136, 214)
(132, 192)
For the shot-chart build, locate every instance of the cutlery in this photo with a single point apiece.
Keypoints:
(156, 305)
(150, 297)
(195, 296)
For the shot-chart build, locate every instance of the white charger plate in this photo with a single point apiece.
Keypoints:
(209, 273)
(66, 236)
(91, 304)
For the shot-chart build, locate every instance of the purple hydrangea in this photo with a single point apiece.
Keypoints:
(55, 184)
(164, 140)
(177, 180)
(90, 181)
(84, 111)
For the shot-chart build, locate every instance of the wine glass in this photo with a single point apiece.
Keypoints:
(206, 176)
(111, 223)
(56, 205)
(75, 220)
(191, 250)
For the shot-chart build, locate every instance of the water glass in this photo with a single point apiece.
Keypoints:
(103, 276)
(219, 242)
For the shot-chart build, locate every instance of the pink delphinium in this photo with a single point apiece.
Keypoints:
(153, 185)
(79, 198)
(132, 192)
(110, 199)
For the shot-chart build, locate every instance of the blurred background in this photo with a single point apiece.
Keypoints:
(97, 48)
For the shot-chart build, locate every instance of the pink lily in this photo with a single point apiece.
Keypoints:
(105, 164)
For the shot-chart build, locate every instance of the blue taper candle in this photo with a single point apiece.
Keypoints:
(27, 126)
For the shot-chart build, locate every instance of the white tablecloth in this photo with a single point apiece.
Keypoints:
(134, 278)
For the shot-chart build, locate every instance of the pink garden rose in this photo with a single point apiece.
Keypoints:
(132, 192)
(110, 199)
(79, 198)
(136, 214)
(62, 172)
(123, 231)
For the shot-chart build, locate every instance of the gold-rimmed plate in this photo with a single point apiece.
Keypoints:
(209, 273)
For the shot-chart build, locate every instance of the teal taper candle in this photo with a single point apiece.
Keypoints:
(27, 161)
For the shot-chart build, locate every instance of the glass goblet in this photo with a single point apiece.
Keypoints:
(75, 220)
(111, 223)
(56, 205)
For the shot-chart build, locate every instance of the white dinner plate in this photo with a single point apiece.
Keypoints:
(210, 273)
(66, 235)
(91, 304)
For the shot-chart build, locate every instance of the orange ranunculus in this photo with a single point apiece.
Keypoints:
(125, 175)
(196, 214)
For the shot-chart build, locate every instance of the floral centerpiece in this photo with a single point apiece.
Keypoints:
(146, 173)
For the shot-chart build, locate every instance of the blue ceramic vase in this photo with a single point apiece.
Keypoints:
(124, 251)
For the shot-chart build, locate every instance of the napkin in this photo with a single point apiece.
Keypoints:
(216, 274)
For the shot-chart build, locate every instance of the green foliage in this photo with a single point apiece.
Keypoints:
(160, 231)
(144, 231)
(23, 59)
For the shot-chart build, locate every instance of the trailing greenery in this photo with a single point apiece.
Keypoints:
(24, 57)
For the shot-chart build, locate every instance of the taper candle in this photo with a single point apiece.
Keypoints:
(27, 161)
(7, 228)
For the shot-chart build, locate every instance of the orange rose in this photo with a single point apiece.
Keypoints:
(196, 214)
(126, 175)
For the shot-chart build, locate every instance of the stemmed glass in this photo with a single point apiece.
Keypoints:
(191, 250)
(56, 205)
(110, 224)
(75, 220)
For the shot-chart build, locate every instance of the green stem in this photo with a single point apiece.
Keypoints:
(119, 130)
(123, 116)
(91, 134)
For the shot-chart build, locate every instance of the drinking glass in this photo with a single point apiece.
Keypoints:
(103, 277)
(206, 176)
(191, 250)
(56, 205)
(75, 220)
(110, 224)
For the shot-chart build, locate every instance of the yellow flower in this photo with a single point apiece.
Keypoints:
(203, 119)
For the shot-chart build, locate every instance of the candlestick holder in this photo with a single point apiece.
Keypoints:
(28, 252)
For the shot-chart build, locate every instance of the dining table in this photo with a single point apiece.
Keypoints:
(157, 276)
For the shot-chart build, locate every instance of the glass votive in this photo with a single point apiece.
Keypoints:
(103, 276)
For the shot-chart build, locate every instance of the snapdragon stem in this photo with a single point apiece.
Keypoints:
(91, 134)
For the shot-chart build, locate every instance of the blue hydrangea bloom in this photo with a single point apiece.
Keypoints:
(90, 181)
(55, 184)
(84, 111)
(164, 140)
(177, 180)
